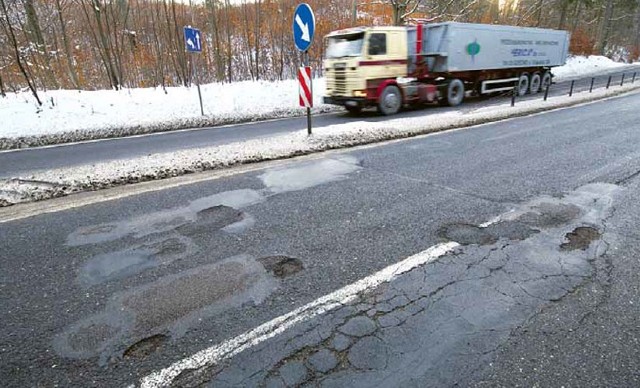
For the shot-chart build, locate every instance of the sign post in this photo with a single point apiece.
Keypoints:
(304, 26)
(193, 44)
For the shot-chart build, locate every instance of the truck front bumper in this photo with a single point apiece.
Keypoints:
(355, 102)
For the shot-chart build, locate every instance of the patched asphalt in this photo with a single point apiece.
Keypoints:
(105, 294)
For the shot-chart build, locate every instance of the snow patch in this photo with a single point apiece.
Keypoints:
(73, 115)
(57, 182)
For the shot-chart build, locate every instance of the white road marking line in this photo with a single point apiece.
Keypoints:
(232, 347)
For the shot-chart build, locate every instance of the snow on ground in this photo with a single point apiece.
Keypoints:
(71, 115)
(59, 182)
(580, 66)
(131, 111)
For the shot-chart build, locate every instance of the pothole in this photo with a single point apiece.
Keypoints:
(172, 246)
(466, 234)
(212, 218)
(219, 215)
(511, 230)
(580, 238)
(145, 346)
(548, 215)
(281, 266)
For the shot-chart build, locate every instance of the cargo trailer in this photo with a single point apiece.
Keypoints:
(390, 67)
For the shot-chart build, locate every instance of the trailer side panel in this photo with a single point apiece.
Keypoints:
(452, 47)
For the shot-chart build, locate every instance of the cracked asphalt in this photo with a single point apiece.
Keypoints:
(542, 289)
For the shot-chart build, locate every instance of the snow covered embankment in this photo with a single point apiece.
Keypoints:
(71, 115)
(60, 182)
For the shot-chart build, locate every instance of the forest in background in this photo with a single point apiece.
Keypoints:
(101, 44)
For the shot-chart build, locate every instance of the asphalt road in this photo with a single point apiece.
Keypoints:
(105, 294)
(20, 162)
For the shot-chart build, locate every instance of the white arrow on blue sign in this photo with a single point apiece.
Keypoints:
(192, 39)
(304, 25)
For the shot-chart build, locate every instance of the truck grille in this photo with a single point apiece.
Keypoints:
(340, 80)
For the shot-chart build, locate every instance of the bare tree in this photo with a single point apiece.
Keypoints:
(402, 9)
(67, 48)
(6, 25)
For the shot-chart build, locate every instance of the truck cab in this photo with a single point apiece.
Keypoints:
(360, 63)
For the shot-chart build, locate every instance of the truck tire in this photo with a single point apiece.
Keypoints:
(523, 84)
(546, 80)
(455, 92)
(390, 100)
(534, 83)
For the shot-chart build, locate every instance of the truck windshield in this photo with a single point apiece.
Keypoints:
(345, 46)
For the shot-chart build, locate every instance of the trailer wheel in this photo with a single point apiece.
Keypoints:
(523, 84)
(455, 92)
(546, 79)
(534, 83)
(390, 100)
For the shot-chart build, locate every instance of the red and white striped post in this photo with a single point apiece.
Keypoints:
(306, 92)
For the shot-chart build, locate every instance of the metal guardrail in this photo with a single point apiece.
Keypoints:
(514, 91)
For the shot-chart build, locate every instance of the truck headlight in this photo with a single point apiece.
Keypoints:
(360, 93)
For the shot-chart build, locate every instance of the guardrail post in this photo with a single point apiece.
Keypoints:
(622, 80)
(609, 82)
(513, 95)
(591, 87)
(571, 89)
(546, 91)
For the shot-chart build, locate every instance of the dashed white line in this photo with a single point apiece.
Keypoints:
(231, 347)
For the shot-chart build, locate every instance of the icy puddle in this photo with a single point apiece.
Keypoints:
(309, 175)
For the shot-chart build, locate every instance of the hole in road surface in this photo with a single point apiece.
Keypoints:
(466, 234)
(548, 215)
(511, 230)
(212, 218)
(145, 346)
(281, 266)
(580, 238)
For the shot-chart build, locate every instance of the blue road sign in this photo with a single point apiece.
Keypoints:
(304, 25)
(192, 39)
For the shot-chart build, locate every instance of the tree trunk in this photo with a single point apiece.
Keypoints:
(257, 37)
(540, 9)
(14, 43)
(229, 47)
(67, 48)
(213, 16)
(35, 34)
(182, 55)
(563, 14)
(605, 29)
(106, 46)
(2, 92)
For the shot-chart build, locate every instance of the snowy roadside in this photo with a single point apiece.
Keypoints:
(71, 115)
(59, 182)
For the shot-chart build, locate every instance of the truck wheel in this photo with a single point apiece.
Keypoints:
(534, 83)
(455, 92)
(390, 100)
(523, 84)
(546, 80)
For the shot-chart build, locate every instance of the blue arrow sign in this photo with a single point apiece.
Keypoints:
(192, 39)
(304, 25)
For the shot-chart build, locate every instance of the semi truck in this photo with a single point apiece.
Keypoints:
(392, 67)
